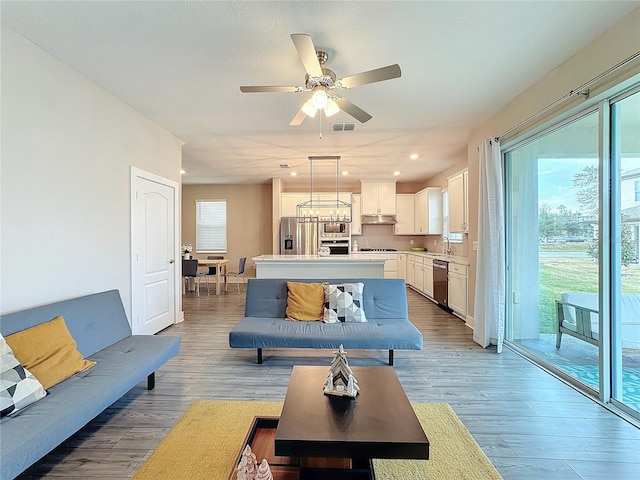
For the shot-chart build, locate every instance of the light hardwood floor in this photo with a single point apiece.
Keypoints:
(529, 424)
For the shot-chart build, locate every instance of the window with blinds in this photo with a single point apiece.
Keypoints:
(211, 226)
(453, 237)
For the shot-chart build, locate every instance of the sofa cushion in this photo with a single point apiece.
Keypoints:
(49, 351)
(343, 303)
(18, 386)
(305, 301)
(383, 334)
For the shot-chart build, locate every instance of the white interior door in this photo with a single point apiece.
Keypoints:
(153, 233)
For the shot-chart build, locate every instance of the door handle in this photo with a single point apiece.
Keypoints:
(172, 261)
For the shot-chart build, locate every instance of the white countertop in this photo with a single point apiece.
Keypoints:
(359, 257)
(439, 256)
(316, 258)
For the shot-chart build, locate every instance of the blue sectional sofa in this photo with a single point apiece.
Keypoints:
(384, 303)
(99, 325)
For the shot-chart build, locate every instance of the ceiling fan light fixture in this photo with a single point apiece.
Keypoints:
(331, 108)
(309, 108)
(320, 98)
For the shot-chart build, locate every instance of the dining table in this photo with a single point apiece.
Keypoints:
(221, 269)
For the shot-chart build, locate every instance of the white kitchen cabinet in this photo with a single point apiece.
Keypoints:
(378, 198)
(330, 197)
(405, 214)
(402, 266)
(411, 270)
(458, 202)
(427, 275)
(391, 265)
(418, 279)
(289, 203)
(458, 289)
(390, 262)
(356, 211)
(428, 211)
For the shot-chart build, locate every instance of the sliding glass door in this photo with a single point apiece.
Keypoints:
(573, 249)
(625, 280)
(553, 221)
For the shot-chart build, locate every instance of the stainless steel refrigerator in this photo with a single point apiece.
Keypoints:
(298, 238)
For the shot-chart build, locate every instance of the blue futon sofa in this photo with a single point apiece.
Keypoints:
(385, 306)
(99, 325)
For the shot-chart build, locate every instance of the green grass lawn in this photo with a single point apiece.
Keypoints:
(564, 247)
(562, 275)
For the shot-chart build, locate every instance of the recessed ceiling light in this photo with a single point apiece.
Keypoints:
(182, 172)
(413, 156)
(396, 173)
(345, 173)
(293, 174)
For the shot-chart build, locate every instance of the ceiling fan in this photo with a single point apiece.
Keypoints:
(322, 82)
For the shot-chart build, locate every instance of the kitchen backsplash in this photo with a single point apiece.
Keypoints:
(381, 236)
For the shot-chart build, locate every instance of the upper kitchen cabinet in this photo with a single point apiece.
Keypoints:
(289, 203)
(326, 206)
(378, 198)
(331, 197)
(356, 211)
(458, 202)
(405, 208)
(428, 211)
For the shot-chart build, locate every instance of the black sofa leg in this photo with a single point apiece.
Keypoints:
(259, 356)
(391, 358)
(151, 381)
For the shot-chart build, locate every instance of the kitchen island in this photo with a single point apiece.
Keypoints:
(315, 266)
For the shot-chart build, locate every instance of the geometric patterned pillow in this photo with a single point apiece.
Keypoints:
(343, 303)
(18, 387)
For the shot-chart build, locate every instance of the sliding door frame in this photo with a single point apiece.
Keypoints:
(609, 225)
(615, 386)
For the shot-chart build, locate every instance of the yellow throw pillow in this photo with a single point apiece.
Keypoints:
(305, 301)
(48, 351)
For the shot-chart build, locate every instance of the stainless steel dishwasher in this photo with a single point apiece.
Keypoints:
(441, 282)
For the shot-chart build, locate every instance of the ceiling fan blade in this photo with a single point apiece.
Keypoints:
(372, 76)
(298, 119)
(270, 88)
(356, 112)
(307, 53)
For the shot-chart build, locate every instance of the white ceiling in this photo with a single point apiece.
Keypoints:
(181, 64)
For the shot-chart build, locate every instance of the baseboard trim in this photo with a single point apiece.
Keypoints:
(470, 321)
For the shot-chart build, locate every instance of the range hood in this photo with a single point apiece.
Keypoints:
(379, 220)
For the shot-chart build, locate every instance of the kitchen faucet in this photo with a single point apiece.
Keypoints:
(448, 249)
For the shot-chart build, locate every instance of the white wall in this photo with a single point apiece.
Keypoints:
(615, 45)
(67, 148)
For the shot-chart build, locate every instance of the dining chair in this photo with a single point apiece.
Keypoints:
(190, 270)
(237, 275)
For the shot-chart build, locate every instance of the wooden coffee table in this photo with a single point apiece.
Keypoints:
(378, 423)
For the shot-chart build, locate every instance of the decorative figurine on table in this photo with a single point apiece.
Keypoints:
(264, 471)
(248, 468)
(340, 381)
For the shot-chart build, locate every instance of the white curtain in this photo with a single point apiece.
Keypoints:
(488, 323)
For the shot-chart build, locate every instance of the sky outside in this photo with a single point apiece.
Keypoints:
(555, 180)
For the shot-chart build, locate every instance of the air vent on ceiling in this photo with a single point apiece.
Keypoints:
(343, 127)
(284, 165)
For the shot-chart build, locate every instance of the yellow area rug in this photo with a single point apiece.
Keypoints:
(205, 443)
